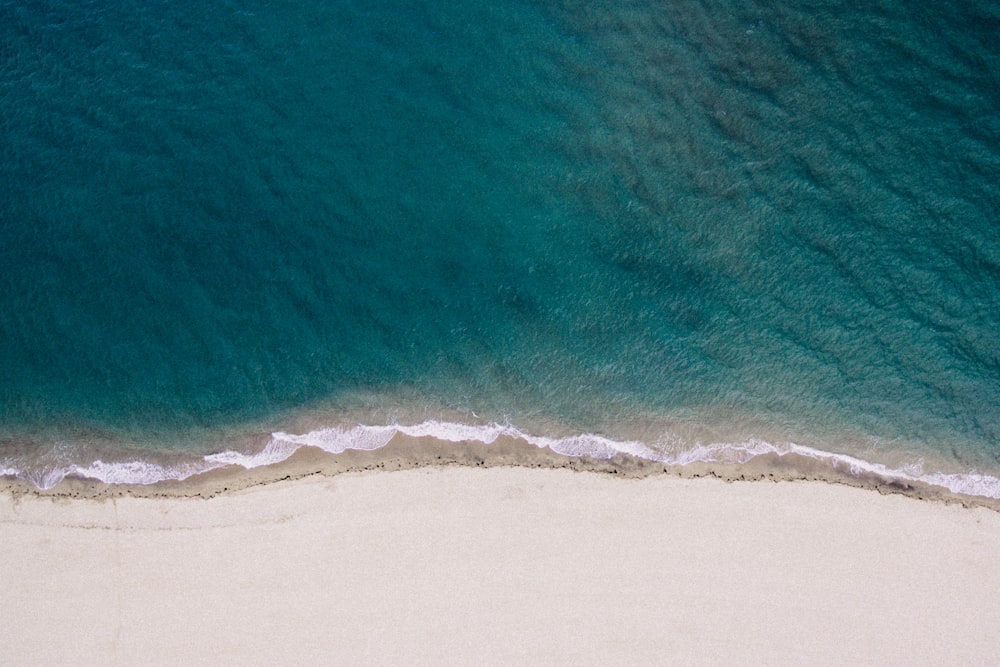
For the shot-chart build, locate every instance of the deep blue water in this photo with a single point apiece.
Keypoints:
(781, 217)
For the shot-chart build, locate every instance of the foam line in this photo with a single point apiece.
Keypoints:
(141, 472)
(336, 440)
(595, 446)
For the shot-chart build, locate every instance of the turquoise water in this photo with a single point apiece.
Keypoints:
(774, 221)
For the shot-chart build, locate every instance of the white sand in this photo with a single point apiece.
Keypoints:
(501, 566)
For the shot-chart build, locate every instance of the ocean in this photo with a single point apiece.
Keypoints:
(679, 231)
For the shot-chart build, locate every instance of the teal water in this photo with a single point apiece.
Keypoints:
(780, 220)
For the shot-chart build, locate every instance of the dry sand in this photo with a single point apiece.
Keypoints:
(503, 565)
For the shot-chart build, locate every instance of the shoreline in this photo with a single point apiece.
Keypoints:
(408, 452)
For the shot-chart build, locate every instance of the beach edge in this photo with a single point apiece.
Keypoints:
(406, 452)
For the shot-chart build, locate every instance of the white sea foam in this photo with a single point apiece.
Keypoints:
(967, 483)
(275, 451)
(729, 453)
(142, 472)
(339, 440)
(45, 478)
(336, 440)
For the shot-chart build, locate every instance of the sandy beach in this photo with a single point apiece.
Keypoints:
(461, 565)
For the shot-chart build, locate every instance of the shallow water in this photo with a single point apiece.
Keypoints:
(759, 221)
